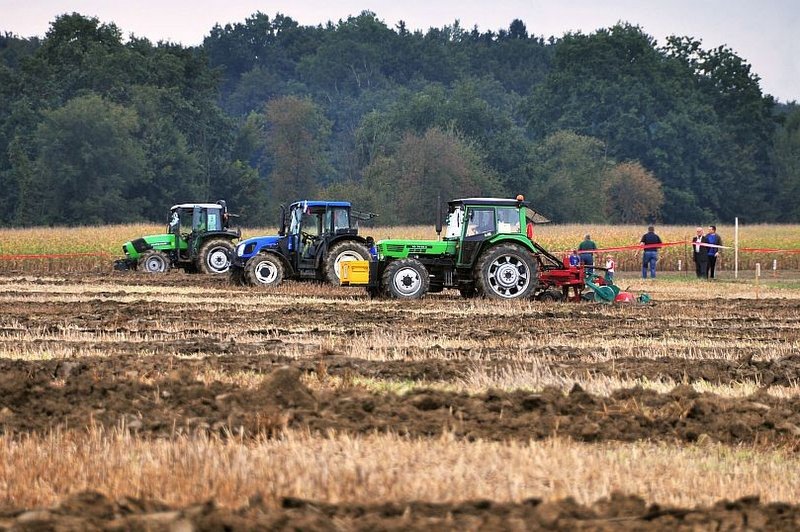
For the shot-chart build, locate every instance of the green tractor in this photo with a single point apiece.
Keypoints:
(488, 250)
(197, 239)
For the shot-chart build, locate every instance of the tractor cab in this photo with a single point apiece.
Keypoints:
(472, 222)
(192, 222)
(312, 224)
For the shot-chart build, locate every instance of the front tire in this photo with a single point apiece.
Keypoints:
(405, 279)
(215, 256)
(264, 270)
(343, 251)
(153, 261)
(507, 271)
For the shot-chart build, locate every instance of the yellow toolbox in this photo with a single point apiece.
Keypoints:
(354, 272)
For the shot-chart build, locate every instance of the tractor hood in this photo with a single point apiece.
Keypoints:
(252, 246)
(134, 248)
(400, 248)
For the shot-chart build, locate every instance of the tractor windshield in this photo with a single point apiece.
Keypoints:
(454, 221)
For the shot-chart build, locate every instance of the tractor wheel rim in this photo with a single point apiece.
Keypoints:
(509, 276)
(265, 272)
(342, 257)
(155, 264)
(407, 281)
(218, 260)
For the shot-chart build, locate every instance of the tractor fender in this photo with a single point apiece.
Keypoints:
(510, 239)
(228, 235)
(322, 251)
(497, 241)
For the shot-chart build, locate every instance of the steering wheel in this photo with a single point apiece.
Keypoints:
(307, 236)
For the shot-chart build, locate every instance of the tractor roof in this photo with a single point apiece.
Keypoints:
(494, 202)
(319, 203)
(193, 205)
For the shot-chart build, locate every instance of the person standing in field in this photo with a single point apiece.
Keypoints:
(611, 267)
(700, 254)
(713, 238)
(587, 257)
(650, 255)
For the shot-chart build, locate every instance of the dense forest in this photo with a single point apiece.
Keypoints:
(96, 127)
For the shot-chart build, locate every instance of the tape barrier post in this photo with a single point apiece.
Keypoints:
(736, 248)
(758, 276)
(774, 267)
(679, 264)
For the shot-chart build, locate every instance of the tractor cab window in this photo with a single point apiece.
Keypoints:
(454, 221)
(337, 218)
(508, 220)
(200, 221)
(311, 223)
(214, 220)
(181, 221)
(480, 222)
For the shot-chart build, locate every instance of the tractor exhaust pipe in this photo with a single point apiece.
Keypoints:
(438, 225)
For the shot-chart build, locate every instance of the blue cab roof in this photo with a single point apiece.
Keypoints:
(319, 203)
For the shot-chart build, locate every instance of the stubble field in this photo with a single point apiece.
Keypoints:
(136, 401)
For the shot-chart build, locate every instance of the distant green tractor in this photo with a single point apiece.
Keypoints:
(488, 250)
(197, 239)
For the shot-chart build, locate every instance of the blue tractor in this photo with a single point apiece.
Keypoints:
(319, 237)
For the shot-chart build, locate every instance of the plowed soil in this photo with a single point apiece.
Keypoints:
(93, 511)
(188, 353)
(128, 349)
(31, 402)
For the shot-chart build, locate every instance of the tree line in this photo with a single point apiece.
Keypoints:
(601, 127)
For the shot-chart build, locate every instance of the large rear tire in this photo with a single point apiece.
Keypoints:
(264, 270)
(343, 251)
(405, 279)
(215, 256)
(506, 271)
(153, 261)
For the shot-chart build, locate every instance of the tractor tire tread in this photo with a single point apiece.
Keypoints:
(395, 266)
(329, 267)
(489, 255)
(205, 249)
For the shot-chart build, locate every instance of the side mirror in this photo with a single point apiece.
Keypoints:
(282, 221)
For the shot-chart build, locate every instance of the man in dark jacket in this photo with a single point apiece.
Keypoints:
(650, 255)
(587, 257)
(713, 238)
(700, 254)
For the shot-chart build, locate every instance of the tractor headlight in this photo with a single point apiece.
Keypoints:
(240, 250)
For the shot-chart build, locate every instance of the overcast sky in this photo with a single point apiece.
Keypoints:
(764, 32)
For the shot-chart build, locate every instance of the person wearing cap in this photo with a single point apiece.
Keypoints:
(650, 255)
(587, 257)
